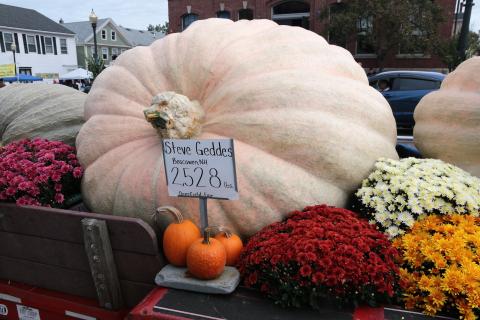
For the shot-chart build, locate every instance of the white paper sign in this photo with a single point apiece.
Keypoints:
(200, 168)
(27, 313)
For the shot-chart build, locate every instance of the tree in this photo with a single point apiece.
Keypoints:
(382, 27)
(95, 66)
(163, 28)
(447, 50)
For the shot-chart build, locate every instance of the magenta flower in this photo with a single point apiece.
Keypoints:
(59, 198)
(38, 172)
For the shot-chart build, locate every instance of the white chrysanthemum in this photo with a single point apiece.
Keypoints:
(406, 218)
(381, 217)
(400, 192)
(392, 231)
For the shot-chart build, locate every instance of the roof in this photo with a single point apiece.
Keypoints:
(83, 29)
(140, 37)
(22, 18)
(135, 37)
(407, 73)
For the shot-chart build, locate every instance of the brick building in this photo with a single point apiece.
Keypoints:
(303, 13)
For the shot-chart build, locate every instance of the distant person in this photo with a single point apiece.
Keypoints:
(383, 86)
(2, 84)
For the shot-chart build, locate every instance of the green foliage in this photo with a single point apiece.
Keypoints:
(386, 26)
(447, 50)
(159, 27)
(95, 66)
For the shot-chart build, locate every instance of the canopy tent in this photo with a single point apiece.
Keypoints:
(78, 74)
(22, 78)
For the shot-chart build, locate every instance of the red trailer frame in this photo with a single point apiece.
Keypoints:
(37, 303)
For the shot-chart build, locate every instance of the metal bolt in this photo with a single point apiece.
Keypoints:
(96, 258)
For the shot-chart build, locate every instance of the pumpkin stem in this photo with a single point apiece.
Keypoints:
(176, 213)
(220, 229)
(206, 234)
(174, 116)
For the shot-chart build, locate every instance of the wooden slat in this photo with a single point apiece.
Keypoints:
(138, 268)
(126, 234)
(102, 265)
(67, 281)
(53, 252)
(74, 282)
(130, 266)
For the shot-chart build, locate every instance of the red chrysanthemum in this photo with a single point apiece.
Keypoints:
(321, 251)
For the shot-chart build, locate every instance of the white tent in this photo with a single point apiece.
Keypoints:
(77, 74)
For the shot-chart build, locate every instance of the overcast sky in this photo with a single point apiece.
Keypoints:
(136, 14)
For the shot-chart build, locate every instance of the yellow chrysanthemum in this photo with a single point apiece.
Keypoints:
(441, 264)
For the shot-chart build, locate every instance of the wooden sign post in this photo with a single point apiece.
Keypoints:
(202, 169)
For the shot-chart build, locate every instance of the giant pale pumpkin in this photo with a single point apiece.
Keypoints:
(53, 112)
(307, 126)
(447, 121)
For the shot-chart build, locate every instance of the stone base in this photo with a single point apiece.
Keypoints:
(177, 278)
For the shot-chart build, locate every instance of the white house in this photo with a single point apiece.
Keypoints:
(44, 48)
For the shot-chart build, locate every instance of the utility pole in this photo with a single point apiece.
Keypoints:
(458, 11)
(463, 39)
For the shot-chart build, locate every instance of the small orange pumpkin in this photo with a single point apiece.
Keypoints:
(232, 243)
(178, 237)
(206, 257)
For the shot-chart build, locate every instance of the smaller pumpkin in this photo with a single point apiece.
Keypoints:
(178, 237)
(232, 243)
(206, 258)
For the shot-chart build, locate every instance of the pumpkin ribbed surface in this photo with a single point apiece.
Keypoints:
(307, 126)
(233, 246)
(447, 121)
(177, 238)
(53, 112)
(206, 260)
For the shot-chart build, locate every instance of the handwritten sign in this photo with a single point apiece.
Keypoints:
(200, 168)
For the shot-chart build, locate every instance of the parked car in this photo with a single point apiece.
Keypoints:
(403, 90)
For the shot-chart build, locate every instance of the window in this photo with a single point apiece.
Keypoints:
(245, 14)
(188, 19)
(32, 47)
(292, 13)
(105, 53)
(376, 83)
(223, 14)
(364, 44)
(25, 70)
(290, 7)
(8, 40)
(63, 46)
(104, 34)
(113, 35)
(114, 53)
(405, 84)
(48, 45)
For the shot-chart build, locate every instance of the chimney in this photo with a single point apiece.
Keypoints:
(60, 21)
